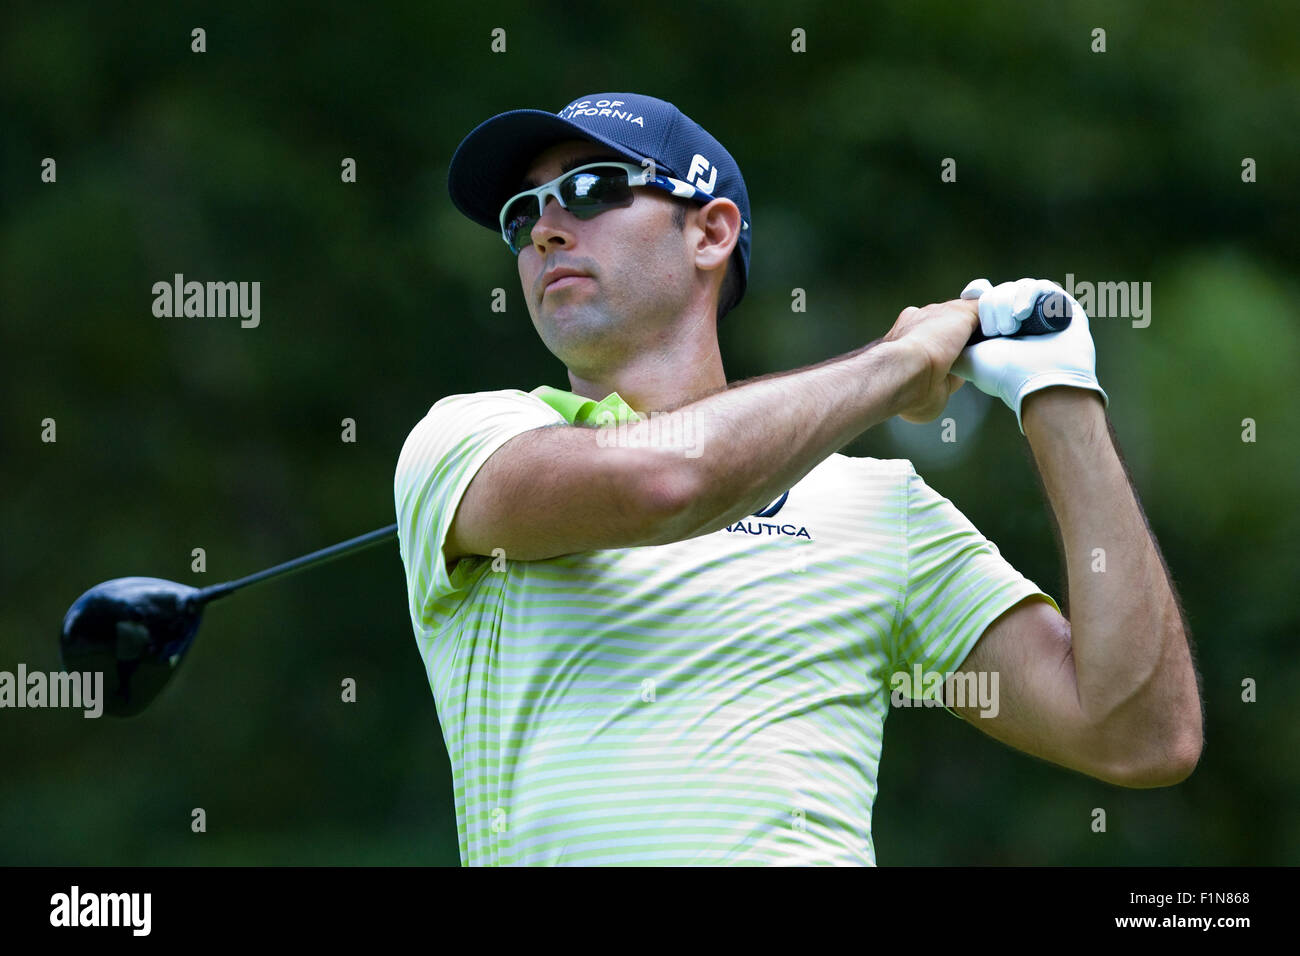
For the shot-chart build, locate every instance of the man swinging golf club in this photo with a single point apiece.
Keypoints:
(655, 652)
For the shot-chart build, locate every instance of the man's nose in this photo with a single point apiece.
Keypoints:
(555, 223)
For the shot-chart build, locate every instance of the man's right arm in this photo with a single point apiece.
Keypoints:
(559, 489)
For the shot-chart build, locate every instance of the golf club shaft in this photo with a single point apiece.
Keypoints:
(297, 564)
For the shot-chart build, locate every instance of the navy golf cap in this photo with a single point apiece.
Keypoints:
(489, 163)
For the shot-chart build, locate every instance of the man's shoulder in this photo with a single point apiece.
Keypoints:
(489, 414)
(487, 409)
(490, 398)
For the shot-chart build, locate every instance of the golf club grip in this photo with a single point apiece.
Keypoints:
(1051, 314)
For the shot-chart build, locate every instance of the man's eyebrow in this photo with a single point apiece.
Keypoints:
(569, 165)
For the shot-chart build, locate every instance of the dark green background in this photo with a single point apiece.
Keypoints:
(183, 433)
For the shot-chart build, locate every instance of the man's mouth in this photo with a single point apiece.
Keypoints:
(560, 276)
(564, 281)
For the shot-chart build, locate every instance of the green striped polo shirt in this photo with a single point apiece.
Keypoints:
(719, 700)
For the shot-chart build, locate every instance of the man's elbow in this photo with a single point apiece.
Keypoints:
(665, 496)
(1164, 763)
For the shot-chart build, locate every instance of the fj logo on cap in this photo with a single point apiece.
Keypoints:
(700, 165)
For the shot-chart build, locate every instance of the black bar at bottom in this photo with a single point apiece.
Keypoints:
(906, 907)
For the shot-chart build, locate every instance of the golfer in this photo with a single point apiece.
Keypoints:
(663, 620)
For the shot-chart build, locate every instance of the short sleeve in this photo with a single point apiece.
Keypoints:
(956, 585)
(439, 459)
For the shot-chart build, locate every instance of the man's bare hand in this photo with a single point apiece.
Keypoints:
(933, 336)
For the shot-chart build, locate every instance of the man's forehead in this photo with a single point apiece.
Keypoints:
(571, 155)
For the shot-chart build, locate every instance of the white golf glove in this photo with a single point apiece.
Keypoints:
(1011, 368)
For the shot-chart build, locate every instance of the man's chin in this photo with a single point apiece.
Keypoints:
(579, 318)
(576, 335)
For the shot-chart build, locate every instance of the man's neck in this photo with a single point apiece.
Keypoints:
(655, 384)
(680, 366)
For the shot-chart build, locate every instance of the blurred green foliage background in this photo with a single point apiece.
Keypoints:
(182, 433)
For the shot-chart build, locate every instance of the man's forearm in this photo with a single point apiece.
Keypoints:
(759, 438)
(1133, 665)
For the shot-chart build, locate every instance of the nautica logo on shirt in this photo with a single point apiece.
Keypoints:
(761, 527)
(756, 527)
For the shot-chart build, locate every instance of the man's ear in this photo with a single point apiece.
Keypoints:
(719, 221)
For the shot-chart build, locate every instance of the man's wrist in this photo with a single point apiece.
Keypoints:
(1061, 410)
(899, 367)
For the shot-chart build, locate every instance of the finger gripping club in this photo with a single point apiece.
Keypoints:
(1051, 314)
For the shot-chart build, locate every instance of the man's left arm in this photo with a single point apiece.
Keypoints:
(1113, 691)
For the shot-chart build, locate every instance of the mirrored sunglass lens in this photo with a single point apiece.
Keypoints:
(594, 191)
(520, 219)
(521, 232)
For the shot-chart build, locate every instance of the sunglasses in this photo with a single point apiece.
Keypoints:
(586, 192)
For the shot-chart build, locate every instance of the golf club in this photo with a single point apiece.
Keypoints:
(1051, 314)
(138, 630)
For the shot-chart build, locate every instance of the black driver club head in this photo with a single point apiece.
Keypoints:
(134, 630)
